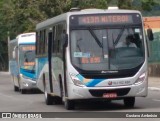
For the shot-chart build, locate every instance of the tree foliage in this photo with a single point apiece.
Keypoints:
(19, 16)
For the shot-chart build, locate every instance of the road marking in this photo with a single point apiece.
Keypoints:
(154, 88)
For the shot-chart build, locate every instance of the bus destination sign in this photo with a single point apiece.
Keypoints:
(104, 19)
(28, 48)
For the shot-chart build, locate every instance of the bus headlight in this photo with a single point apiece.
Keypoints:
(76, 80)
(141, 78)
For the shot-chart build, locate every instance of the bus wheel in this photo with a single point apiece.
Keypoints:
(23, 91)
(69, 104)
(57, 100)
(129, 102)
(16, 89)
(48, 97)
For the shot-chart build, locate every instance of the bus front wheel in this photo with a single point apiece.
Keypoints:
(69, 104)
(23, 91)
(48, 98)
(129, 102)
(16, 89)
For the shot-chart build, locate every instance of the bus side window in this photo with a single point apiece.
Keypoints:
(37, 41)
(58, 45)
(59, 40)
(53, 39)
(44, 42)
(50, 44)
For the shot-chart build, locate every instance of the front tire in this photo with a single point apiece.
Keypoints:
(129, 102)
(69, 104)
(23, 91)
(16, 89)
(48, 98)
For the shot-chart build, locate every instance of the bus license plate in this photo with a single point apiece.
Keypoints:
(109, 95)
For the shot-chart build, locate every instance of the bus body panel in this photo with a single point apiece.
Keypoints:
(42, 68)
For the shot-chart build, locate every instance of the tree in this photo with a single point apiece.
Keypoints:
(19, 16)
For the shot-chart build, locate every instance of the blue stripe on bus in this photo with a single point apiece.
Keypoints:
(94, 82)
(28, 73)
(80, 77)
(89, 82)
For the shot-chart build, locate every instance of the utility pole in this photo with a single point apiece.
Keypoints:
(8, 49)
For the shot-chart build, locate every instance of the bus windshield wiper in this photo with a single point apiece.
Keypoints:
(96, 38)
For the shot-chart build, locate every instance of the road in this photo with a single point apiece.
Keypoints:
(11, 101)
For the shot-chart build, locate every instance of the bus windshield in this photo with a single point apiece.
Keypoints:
(112, 48)
(27, 57)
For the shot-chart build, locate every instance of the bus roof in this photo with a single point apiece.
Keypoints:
(65, 16)
(26, 38)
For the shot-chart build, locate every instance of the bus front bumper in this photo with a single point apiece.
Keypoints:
(76, 92)
(27, 83)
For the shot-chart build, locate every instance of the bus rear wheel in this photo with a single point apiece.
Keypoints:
(129, 102)
(48, 98)
(69, 104)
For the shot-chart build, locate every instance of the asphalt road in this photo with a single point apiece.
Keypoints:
(11, 101)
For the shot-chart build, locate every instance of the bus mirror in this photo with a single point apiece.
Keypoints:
(150, 34)
(14, 52)
(14, 55)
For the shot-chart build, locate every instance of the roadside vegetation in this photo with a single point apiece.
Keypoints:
(19, 16)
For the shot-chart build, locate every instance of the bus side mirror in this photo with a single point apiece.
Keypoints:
(150, 34)
(14, 52)
(14, 55)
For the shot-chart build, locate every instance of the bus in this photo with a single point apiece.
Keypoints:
(22, 62)
(78, 56)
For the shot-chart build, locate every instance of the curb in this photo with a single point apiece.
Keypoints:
(154, 88)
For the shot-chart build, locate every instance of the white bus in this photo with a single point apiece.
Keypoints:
(79, 56)
(22, 62)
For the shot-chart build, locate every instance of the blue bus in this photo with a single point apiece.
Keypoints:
(22, 62)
